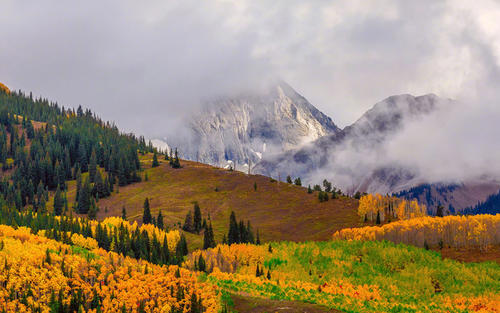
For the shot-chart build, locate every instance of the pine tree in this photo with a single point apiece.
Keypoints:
(309, 190)
(298, 182)
(255, 186)
(92, 210)
(84, 198)
(289, 179)
(155, 160)
(233, 235)
(159, 220)
(208, 237)
(82, 157)
(176, 163)
(257, 242)
(58, 202)
(124, 214)
(197, 218)
(92, 166)
(188, 223)
(378, 217)
(147, 218)
(440, 211)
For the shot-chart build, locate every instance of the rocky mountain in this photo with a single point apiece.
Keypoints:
(356, 159)
(241, 130)
(341, 154)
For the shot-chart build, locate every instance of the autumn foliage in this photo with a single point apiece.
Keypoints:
(353, 276)
(455, 231)
(388, 207)
(40, 274)
(4, 88)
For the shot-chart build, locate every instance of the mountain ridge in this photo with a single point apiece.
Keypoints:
(240, 130)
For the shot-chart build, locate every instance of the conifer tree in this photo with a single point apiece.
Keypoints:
(176, 163)
(92, 166)
(233, 235)
(188, 223)
(147, 218)
(208, 237)
(124, 213)
(58, 202)
(197, 219)
(159, 220)
(155, 160)
(298, 182)
(84, 198)
(289, 179)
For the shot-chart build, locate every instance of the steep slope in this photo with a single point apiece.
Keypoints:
(242, 129)
(333, 155)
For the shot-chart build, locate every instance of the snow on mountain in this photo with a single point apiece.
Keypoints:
(244, 129)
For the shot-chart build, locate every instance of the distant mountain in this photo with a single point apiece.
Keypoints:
(490, 206)
(475, 196)
(245, 128)
(332, 155)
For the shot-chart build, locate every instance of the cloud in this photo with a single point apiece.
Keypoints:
(145, 65)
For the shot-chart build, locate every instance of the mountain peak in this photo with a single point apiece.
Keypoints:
(245, 127)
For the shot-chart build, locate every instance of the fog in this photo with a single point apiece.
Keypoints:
(148, 65)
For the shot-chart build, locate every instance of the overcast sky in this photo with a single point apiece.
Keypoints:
(141, 63)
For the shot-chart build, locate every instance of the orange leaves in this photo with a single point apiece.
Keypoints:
(4, 88)
(387, 206)
(31, 262)
(84, 242)
(173, 236)
(455, 231)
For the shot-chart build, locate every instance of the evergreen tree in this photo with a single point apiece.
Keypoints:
(208, 237)
(309, 190)
(159, 220)
(298, 182)
(289, 179)
(147, 218)
(176, 163)
(124, 214)
(440, 211)
(92, 210)
(378, 217)
(188, 223)
(233, 235)
(58, 202)
(155, 160)
(327, 185)
(92, 166)
(197, 218)
(84, 198)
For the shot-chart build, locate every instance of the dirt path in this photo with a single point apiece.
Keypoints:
(244, 304)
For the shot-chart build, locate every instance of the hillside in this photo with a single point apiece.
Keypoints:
(354, 276)
(279, 211)
(44, 275)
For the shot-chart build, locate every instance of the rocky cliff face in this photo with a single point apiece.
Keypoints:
(336, 155)
(241, 130)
